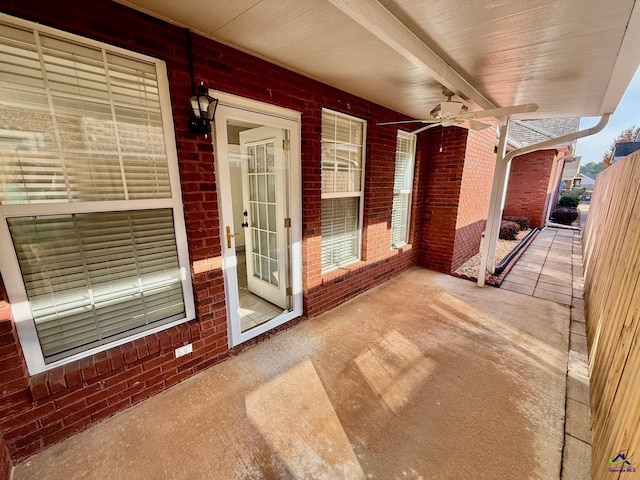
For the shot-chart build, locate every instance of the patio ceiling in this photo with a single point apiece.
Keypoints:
(571, 57)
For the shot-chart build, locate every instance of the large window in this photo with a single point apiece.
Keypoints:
(402, 187)
(342, 188)
(92, 230)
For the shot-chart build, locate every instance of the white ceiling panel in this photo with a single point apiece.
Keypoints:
(203, 16)
(571, 57)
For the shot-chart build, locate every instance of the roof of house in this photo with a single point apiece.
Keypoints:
(586, 179)
(528, 132)
(571, 169)
(625, 148)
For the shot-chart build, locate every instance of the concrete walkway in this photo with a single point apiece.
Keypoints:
(425, 377)
(545, 269)
(552, 269)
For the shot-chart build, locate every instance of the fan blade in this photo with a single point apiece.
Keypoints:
(500, 112)
(415, 132)
(475, 125)
(406, 121)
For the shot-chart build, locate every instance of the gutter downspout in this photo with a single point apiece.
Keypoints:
(499, 187)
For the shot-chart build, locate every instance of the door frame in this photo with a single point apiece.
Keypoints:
(240, 108)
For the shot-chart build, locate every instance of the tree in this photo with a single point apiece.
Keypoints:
(591, 169)
(627, 135)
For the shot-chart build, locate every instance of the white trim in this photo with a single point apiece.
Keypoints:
(242, 103)
(9, 264)
(327, 196)
(257, 112)
(17, 210)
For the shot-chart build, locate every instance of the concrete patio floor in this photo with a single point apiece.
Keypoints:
(425, 377)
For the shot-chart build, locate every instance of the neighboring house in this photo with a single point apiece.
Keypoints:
(126, 226)
(569, 172)
(582, 181)
(624, 149)
(535, 178)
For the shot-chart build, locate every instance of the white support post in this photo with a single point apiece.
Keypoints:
(496, 205)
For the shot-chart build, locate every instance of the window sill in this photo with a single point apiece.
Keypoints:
(342, 270)
(402, 248)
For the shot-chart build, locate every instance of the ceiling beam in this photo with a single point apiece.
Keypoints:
(371, 15)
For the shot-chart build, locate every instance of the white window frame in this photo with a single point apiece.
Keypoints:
(408, 190)
(9, 265)
(359, 195)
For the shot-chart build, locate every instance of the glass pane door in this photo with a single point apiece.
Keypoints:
(264, 175)
(258, 175)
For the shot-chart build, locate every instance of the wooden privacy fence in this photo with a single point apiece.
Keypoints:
(611, 248)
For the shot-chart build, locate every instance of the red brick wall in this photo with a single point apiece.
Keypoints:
(531, 185)
(457, 185)
(442, 176)
(12, 377)
(5, 460)
(475, 192)
(40, 410)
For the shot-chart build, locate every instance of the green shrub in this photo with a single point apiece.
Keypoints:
(509, 230)
(523, 222)
(569, 201)
(565, 215)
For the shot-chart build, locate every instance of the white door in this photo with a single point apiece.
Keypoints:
(257, 155)
(264, 165)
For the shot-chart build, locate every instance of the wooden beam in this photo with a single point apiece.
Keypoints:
(375, 18)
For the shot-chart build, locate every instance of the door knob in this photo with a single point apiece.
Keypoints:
(230, 236)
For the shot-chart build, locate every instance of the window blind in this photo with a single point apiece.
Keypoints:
(93, 118)
(342, 146)
(90, 277)
(402, 188)
(82, 151)
(340, 231)
(342, 188)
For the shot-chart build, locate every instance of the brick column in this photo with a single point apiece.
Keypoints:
(475, 192)
(457, 181)
(442, 180)
(530, 186)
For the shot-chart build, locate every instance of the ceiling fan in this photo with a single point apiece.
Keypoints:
(452, 113)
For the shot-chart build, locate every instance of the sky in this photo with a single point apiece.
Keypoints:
(626, 115)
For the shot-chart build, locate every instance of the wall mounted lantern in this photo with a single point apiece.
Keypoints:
(204, 109)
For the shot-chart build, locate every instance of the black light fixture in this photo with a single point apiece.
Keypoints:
(203, 105)
(204, 109)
